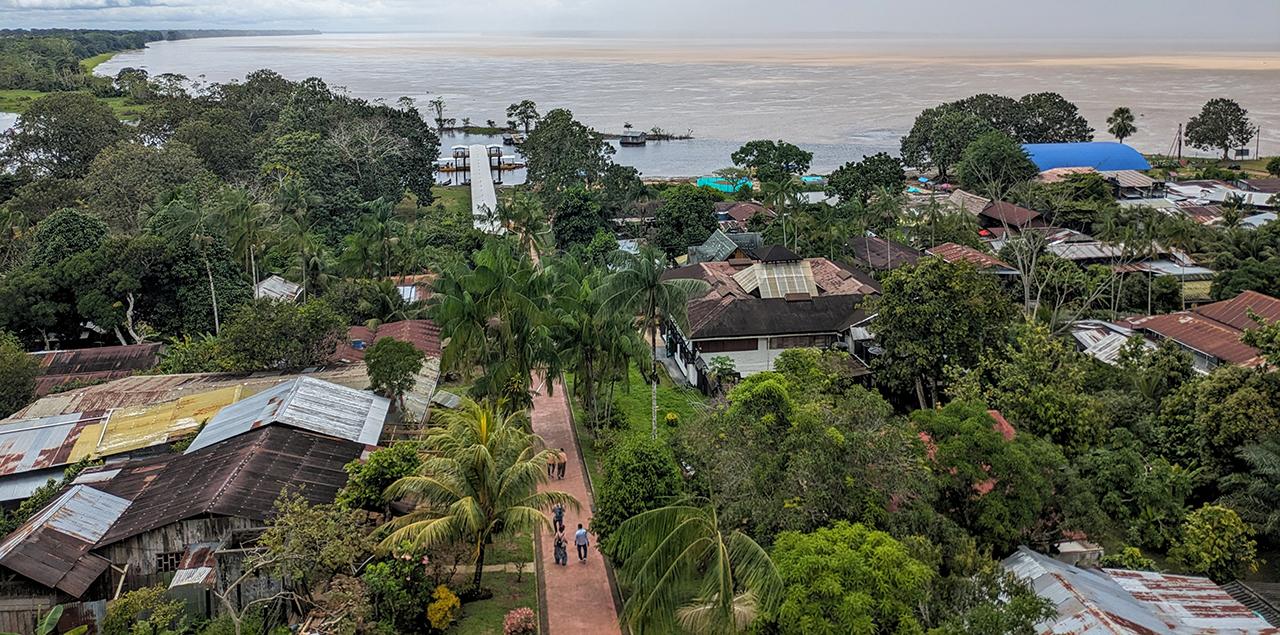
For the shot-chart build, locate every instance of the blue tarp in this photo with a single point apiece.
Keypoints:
(723, 185)
(1099, 155)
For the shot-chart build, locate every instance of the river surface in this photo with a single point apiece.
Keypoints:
(839, 97)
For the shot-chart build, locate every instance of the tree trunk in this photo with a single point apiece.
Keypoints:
(213, 295)
(920, 394)
(128, 319)
(653, 347)
(120, 336)
(475, 580)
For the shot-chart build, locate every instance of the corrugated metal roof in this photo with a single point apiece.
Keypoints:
(52, 547)
(16, 487)
(953, 252)
(197, 566)
(241, 477)
(277, 288)
(1195, 603)
(1235, 311)
(304, 403)
(59, 368)
(1129, 178)
(1090, 602)
(144, 390)
(1099, 155)
(34, 444)
(423, 334)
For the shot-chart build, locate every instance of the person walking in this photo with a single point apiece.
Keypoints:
(561, 548)
(557, 517)
(580, 539)
(562, 461)
(552, 459)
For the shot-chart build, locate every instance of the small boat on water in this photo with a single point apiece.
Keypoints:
(510, 139)
(633, 138)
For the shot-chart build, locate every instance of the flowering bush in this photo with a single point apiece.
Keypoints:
(520, 621)
(444, 610)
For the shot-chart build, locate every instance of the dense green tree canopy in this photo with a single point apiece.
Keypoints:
(562, 153)
(837, 580)
(686, 218)
(932, 315)
(858, 181)
(1221, 125)
(60, 134)
(994, 164)
(772, 160)
(18, 373)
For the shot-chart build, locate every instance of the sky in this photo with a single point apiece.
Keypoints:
(1250, 23)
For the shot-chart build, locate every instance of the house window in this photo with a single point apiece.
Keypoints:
(169, 561)
(727, 346)
(802, 341)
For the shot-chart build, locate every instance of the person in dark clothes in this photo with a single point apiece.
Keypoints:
(561, 548)
(557, 517)
(580, 539)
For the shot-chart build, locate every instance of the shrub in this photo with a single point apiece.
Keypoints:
(1130, 558)
(398, 588)
(520, 621)
(369, 479)
(444, 610)
(672, 419)
(1216, 543)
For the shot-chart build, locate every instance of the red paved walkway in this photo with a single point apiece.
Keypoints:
(578, 596)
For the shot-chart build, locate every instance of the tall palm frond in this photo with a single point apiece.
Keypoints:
(479, 481)
(686, 570)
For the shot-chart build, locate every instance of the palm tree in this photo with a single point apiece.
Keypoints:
(638, 289)
(199, 227)
(382, 228)
(248, 225)
(297, 232)
(783, 196)
(479, 480)
(689, 573)
(1121, 124)
(495, 315)
(387, 305)
(1255, 494)
(525, 216)
(597, 344)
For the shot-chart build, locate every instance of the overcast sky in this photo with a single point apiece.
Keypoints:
(1254, 23)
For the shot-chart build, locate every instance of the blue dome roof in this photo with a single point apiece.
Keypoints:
(1099, 155)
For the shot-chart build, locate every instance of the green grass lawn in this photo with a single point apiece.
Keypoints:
(455, 198)
(19, 100)
(517, 548)
(687, 403)
(90, 63)
(485, 617)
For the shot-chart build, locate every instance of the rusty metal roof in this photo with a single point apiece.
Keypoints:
(197, 567)
(35, 444)
(52, 547)
(1235, 312)
(241, 477)
(59, 368)
(423, 334)
(1092, 602)
(956, 253)
(1215, 329)
(144, 390)
(1195, 602)
(304, 403)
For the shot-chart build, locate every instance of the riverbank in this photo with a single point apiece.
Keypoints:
(90, 63)
(17, 101)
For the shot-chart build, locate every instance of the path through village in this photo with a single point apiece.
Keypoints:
(578, 598)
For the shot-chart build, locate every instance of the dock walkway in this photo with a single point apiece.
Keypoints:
(484, 196)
